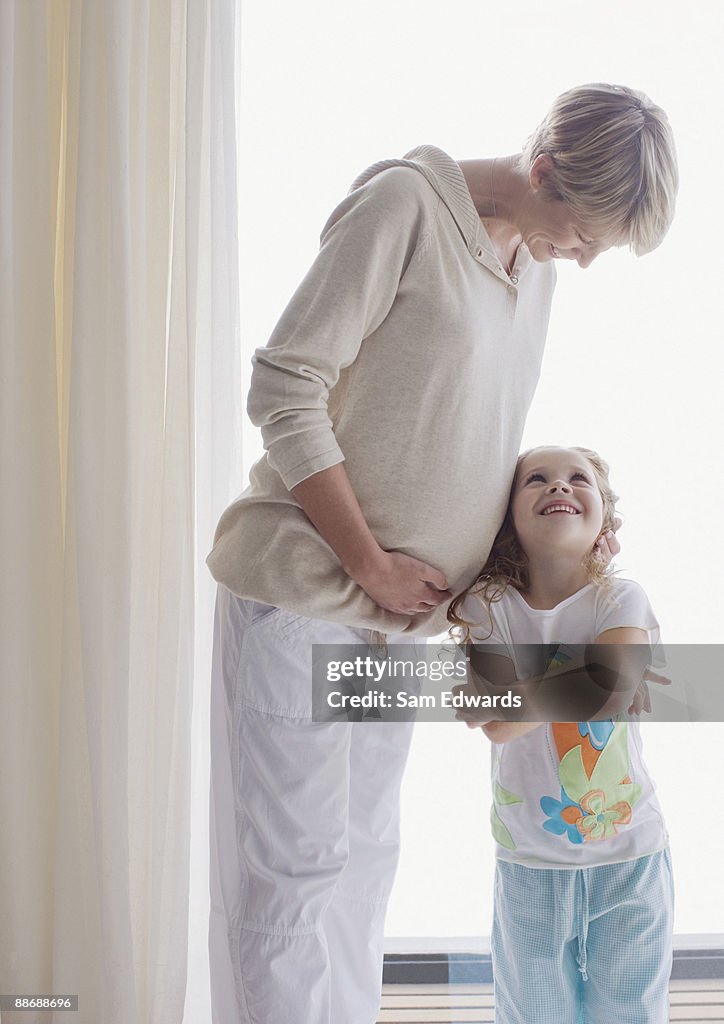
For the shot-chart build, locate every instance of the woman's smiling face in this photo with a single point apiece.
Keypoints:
(555, 235)
(549, 228)
(556, 503)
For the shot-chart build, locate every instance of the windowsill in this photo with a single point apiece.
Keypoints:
(481, 943)
(466, 960)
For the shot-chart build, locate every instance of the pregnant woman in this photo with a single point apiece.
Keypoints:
(391, 398)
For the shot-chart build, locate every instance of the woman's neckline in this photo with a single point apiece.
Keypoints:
(510, 265)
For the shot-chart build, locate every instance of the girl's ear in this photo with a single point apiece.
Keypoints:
(539, 171)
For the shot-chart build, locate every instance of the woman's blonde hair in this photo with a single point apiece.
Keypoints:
(507, 563)
(614, 162)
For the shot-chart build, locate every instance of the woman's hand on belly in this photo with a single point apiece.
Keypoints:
(402, 584)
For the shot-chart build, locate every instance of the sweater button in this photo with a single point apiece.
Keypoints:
(514, 279)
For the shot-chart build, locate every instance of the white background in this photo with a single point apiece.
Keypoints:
(633, 366)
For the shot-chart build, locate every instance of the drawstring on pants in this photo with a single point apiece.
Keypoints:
(581, 959)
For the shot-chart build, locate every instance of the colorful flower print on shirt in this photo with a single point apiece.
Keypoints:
(600, 821)
(597, 794)
(563, 816)
(501, 833)
(599, 733)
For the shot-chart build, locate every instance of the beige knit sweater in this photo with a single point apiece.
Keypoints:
(408, 353)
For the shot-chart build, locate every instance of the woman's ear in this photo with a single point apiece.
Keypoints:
(539, 170)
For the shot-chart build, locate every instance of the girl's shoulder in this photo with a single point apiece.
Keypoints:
(486, 618)
(623, 603)
(619, 591)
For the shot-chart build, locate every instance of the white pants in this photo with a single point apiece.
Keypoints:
(304, 829)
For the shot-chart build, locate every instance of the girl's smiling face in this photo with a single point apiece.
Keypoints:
(557, 505)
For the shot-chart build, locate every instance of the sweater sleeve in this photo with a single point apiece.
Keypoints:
(366, 247)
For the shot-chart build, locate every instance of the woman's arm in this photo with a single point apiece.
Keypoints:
(366, 247)
(394, 580)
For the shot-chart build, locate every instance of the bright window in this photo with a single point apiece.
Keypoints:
(634, 362)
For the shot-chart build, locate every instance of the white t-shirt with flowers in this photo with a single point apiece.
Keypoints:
(570, 795)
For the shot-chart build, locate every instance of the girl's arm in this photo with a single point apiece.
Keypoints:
(633, 647)
(498, 671)
(504, 732)
(599, 684)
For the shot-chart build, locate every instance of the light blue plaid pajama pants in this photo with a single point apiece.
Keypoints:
(583, 946)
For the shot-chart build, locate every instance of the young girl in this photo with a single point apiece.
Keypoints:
(583, 909)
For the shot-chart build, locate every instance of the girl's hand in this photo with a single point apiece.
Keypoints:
(607, 545)
(474, 717)
(642, 699)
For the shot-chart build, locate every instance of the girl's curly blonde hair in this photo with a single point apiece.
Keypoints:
(507, 564)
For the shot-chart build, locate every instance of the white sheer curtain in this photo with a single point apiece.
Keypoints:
(119, 446)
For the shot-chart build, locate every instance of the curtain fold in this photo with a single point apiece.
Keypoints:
(119, 445)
